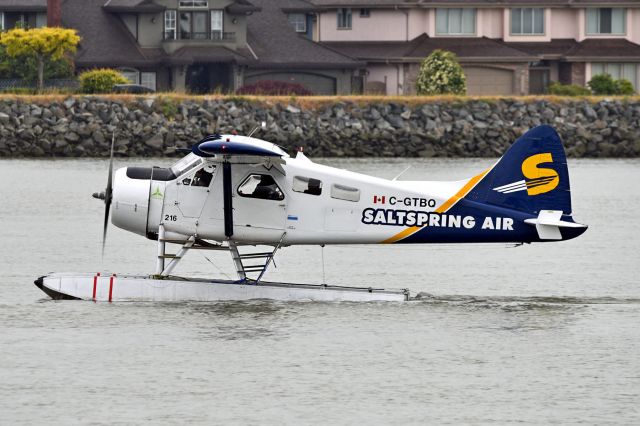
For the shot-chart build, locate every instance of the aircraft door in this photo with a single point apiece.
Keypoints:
(259, 200)
(193, 189)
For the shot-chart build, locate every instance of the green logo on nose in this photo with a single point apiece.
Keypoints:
(157, 193)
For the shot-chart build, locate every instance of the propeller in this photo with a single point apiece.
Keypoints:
(107, 195)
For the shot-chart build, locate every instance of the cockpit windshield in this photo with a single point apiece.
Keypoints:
(185, 164)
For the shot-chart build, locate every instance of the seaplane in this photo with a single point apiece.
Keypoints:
(239, 193)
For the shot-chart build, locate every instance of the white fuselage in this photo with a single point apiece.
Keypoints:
(316, 204)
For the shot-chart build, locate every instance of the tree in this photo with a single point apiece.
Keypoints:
(440, 73)
(24, 67)
(44, 44)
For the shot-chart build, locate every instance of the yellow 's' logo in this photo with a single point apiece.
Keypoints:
(539, 180)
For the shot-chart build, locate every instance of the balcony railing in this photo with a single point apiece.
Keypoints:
(188, 35)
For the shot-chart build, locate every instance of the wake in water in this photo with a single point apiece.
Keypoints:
(522, 300)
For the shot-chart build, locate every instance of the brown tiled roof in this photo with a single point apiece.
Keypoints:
(606, 49)
(553, 49)
(23, 5)
(468, 49)
(277, 45)
(105, 39)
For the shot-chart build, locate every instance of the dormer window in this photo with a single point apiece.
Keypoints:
(193, 3)
(527, 21)
(298, 21)
(455, 21)
(606, 20)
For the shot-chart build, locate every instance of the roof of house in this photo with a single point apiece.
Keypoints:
(105, 40)
(242, 6)
(467, 49)
(604, 49)
(296, 6)
(553, 49)
(593, 49)
(23, 5)
(191, 54)
(132, 6)
(277, 45)
(328, 4)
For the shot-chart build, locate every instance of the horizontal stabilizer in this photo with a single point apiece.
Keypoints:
(549, 222)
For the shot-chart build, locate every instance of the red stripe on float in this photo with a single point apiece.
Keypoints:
(95, 285)
(111, 286)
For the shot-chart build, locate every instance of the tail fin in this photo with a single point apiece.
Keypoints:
(530, 177)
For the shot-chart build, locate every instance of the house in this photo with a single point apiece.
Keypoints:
(505, 47)
(200, 46)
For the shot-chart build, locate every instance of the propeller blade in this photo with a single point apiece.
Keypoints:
(108, 194)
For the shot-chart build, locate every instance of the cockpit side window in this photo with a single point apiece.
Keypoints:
(260, 186)
(201, 177)
(307, 185)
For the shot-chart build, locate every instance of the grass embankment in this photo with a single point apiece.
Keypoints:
(312, 102)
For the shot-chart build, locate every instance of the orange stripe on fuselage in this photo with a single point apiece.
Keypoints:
(442, 208)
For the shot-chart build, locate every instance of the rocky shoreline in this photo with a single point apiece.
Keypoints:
(154, 126)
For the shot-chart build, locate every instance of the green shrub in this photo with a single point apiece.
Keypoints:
(100, 80)
(560, 89)
(441, 74)
(624, 87)
(602, 84)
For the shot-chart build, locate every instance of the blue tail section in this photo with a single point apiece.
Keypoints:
(531, 176)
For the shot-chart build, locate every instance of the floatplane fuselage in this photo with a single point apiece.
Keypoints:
(235, 191)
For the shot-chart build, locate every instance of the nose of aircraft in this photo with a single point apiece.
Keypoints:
(130, 202)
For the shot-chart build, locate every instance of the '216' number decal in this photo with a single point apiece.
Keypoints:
(170, 217)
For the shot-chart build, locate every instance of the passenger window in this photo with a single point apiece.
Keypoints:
(260, 186)
(346, 193)
(307, 185)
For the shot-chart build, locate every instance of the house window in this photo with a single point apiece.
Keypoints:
(148, 79)
(41, 20)
(260, 186)
(606, 21)
(307, 185)
(365, 13)
(298, 21)
(217, 24)
(344, 18)
(2, 21)
(193, 26)
(170, 25)
(194, 3)
(346, 193)
(455, 21)
(628, 71)
(527, 21)
(130, 74)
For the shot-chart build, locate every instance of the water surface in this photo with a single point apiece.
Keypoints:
(537, 334)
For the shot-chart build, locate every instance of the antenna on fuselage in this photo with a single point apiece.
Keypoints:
(401, 173)
(263, 125)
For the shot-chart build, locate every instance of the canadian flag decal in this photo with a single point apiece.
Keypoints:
(377, 199)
